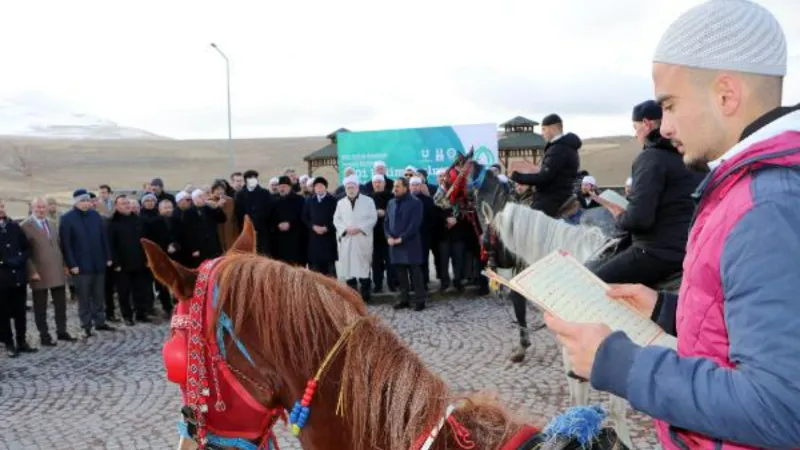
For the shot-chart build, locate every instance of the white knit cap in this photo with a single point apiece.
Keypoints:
(629, 182)
(273, 180)
(378, 164)
(181, 196)
(352, 179)
(588, 179)
(415, 181)
(502, 178)
(197, 193)
(410, 169)
(303, 179)
(310, 182)
(378, 177)
(735, 35)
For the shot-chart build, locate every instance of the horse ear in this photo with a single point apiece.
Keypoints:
(177, 278)
(246, 242)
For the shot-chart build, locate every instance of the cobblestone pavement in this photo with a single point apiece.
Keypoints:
(110, 392)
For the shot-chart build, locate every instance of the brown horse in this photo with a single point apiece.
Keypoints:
(375, 393)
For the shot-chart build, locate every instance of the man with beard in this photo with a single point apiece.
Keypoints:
(354, 219)
(588, 192)
(380, 249)
(378, 168)
(318, 217)
(292, 174)
(184, 203)
(430, 219)
(290, 233)
(200, 224)
(555, 180)
(157, 188)
(163, 231)
(134, 284)
(256, 202)
(660, 211)
(14, 253)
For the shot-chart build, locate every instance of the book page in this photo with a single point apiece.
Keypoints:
(561, 285)
(615, 198)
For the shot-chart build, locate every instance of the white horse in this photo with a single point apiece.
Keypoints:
(531, 235)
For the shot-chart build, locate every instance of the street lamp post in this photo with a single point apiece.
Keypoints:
(231, 156)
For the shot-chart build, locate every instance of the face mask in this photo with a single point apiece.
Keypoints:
(252, 183)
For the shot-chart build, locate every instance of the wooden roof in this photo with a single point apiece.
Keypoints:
(332, 136)
(328, 151)
(519, 121)
(520, 141)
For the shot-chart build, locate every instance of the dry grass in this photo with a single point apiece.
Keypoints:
(30, 166)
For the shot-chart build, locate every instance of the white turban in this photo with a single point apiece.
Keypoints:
(352, 179)
(411, 169)
(588, 179)
(629, 182)
(502, 178)
(197, 193)
(441, 171)
(303, 179)
(379, 164)
(378, 177)
(181, 196)
(415, 181)
(274, 180)
(310, 182)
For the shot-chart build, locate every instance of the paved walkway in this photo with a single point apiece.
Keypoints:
(111, 392)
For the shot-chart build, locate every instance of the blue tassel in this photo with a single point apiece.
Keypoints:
(580, 423)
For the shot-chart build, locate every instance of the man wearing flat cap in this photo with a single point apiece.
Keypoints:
(290, 234)
(555, 180)
(660, 210)
(731, 380)
(318, 217)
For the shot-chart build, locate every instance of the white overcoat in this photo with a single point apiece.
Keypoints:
(355, 252)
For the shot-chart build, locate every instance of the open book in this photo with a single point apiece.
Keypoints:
(562, 286)
(615, 198)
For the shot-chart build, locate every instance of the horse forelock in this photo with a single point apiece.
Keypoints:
(289, 318)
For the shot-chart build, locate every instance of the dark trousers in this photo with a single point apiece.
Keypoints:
(520, 308)
(91, 299)
(133, 289)
(437, 266)
(548, 205)
(381, 266)
(426, 261)
(365, 285)
(109, 287)
(59, 295)
(12, 307)
(164, 297)
(455, 252)
(404, 271)
(635, 265)
(324, 267)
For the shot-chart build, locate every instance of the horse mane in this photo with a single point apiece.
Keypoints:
(296, 316)
(532, 235)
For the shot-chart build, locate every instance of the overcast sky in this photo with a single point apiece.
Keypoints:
(308, 67)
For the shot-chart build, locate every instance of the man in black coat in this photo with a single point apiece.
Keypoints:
(14, 253)
(660, 209)
(430, 224)
(163, 230)
(380, 248)
(125, 231)
(290, 234)
(200, 228)
(378, 168)
(318, 217)
(256, 202)
(555, 181)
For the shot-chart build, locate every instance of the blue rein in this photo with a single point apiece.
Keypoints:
(224, 323)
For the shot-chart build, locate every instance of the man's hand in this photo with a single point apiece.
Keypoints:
(581, 340)
(221, 202)
(612, 207)
(640, 297)
(74, 270)
(196, 254)
(398, 241)
(35, 277)
(118, 269)
(391, 241)
(283, 226)
(381, 213)
(109, 263)
(171, 248)
(352, 231)
(451, 222)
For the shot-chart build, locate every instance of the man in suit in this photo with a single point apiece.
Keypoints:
(85, 247)
(13, 284)
(46, 272)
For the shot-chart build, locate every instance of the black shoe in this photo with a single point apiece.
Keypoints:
(66, 337)
(112, 319)
(419, 306)
(401, 305)
(130, 322)
(377, 289)
(459, 287)
(88, 332)
(144, 319)
(105, 327)
(23, 347)
(47, 341)
(11, 349)
(443, 287)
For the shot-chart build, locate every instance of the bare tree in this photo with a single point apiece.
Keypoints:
(22, 159)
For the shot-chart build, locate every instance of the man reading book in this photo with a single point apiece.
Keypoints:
(733, 382)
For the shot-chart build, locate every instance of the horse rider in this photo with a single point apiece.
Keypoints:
(731, 382)
(659, 211)
(555, 180)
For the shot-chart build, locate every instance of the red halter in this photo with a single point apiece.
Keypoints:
(224, 411)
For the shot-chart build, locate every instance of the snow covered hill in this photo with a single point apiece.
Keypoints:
(35, 115)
